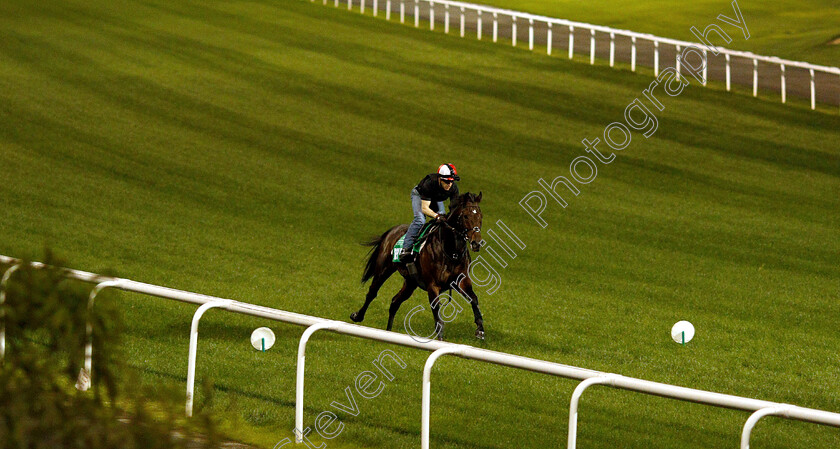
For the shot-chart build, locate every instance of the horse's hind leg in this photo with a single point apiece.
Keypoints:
(405, 292)
(375, 285)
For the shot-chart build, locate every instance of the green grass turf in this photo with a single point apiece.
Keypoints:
(242, 149)
(801, 30)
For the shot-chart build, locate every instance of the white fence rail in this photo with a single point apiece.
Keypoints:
(551, 24)
(588, 377)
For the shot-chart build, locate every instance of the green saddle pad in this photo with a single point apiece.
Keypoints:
(418, 243)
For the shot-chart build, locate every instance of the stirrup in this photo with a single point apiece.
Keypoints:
(407, 257)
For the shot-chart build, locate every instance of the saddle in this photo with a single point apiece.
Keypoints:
(419, 243)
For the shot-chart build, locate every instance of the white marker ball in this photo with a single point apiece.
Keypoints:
(682, 332)
(261, 334)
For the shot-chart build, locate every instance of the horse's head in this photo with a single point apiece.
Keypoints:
(466, 218)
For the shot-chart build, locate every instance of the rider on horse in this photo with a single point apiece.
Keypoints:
(435, 187)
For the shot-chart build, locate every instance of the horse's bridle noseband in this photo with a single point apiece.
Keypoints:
(464, 235)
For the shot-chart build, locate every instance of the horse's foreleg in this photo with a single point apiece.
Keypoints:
(375, 285)
(401, 296)
(466, 286)
(434, 291)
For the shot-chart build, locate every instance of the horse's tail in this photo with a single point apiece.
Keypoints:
(370, 266)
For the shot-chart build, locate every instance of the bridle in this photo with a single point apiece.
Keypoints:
(463, 235)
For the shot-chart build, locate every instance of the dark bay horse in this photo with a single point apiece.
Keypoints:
(441, 262)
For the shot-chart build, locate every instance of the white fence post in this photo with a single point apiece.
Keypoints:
(478, 26)
(655, 58)
(755, 77)
(571, 41)
(548, 39)
(3, 284)
(513, 30)
(402, 11)
(432, 16)
(530, 34)
(362, 7)
(783, 86)
(753, 419)
(462, 21)
(336, 3)
(705, 67)
(633, 54)
(194, 349)
(301, 368)
(573, 406)
(813, 91)
(416, 13)
(446, 19)
(612, 49)
(728, 74)
(495, 27)
(678, 62)
(427, 391)
(592, 46)
(388, 10)
(375, 7)
(349, 5)
(86, 374)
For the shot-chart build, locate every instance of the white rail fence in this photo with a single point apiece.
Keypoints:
(830, 76)
(758, 408)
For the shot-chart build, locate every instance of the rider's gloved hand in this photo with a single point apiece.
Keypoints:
(440, 218)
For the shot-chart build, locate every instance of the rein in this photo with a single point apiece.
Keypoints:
(461, 235)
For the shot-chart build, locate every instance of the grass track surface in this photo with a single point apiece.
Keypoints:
(242, 149)
(801, 30)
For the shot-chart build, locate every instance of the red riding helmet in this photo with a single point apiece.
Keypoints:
(448, 171)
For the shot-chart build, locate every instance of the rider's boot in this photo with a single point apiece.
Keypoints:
(407, 256)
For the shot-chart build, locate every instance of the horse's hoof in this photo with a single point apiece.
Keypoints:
(355, 317)
(479, 334)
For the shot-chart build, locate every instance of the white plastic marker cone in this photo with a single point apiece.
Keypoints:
(682, 332)
(262, 339)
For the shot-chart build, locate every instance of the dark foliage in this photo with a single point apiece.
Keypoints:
(46, 319)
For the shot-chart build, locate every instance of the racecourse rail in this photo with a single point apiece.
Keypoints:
(587, 377)
(550, 22)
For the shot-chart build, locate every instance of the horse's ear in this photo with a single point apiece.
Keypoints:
(478, 198)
